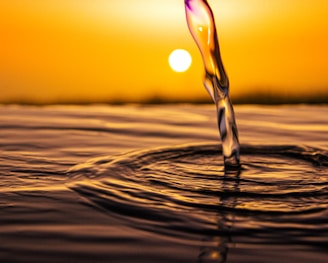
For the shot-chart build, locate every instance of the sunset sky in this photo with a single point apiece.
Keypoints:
(107, 50)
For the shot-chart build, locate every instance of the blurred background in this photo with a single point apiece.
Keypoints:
(109, 51)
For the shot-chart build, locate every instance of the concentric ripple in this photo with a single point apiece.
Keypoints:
(184, 191)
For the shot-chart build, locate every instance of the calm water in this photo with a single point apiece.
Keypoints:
(147, 184)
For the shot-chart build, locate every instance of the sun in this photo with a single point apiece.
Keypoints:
(180, 60)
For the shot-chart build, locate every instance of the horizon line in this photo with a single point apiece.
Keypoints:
(260, 99)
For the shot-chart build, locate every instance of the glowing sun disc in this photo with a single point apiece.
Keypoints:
(180, 60)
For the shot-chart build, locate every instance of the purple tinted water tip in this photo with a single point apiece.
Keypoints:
(187, 3)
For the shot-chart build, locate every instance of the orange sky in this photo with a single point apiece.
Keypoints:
(59, 50)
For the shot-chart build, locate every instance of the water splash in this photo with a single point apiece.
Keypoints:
(202, 27)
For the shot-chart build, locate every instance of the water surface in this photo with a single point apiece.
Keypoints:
(147, 184)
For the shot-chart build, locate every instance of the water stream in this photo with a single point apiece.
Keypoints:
(202, 27)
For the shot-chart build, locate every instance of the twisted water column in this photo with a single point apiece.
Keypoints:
(202, 27)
